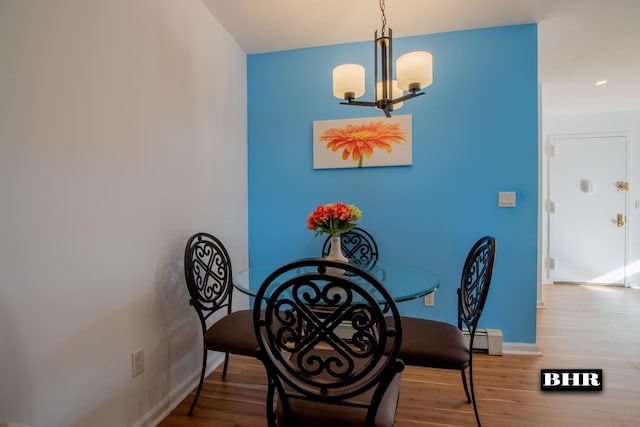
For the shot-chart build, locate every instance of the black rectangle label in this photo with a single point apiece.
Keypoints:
(571, 379)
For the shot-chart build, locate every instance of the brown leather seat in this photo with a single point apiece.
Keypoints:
(433, 344)
(227, 334)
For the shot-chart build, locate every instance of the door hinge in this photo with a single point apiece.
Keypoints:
(551, 150)
(550, 206)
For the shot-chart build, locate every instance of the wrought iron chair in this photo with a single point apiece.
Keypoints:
(320, 372)
(358, 246)
(208, 274)
(434, 344)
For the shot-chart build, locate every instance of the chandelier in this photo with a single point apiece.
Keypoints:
(414, 72)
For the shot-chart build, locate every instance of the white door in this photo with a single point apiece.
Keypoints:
(587, 209)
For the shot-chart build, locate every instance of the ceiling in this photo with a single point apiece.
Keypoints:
(580, 41)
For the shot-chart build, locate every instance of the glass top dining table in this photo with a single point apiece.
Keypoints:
(403, 281)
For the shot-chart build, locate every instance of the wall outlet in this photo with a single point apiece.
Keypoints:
(137, 362)
(429, 299)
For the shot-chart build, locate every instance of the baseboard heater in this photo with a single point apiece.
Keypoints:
(486, 340)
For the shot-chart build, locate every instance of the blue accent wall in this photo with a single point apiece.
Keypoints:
(475, 133)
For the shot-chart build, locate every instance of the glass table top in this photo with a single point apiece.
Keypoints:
(403, 281)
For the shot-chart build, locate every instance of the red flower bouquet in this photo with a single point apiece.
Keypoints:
(333, 219)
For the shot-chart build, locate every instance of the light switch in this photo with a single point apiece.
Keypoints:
(507, 199)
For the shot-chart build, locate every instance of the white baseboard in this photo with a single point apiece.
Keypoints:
(163, 408)
(521, 349)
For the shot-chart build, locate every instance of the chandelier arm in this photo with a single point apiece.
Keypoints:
(405, 97)
(360, 103)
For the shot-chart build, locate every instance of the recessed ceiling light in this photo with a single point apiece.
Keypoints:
(601, 82)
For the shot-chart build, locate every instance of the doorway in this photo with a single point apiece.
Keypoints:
(587, 209)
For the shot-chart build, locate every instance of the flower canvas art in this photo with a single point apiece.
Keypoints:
(363, 142)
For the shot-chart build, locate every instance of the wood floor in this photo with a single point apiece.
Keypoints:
(580, 327)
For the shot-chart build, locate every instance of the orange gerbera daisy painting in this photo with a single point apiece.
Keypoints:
(362, 142)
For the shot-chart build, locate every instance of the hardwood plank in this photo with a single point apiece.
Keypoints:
(581, 327)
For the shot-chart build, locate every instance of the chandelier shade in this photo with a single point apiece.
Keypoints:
(348, 81)
(414, 70)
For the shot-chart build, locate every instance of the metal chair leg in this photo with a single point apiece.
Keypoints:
(464, 383)
(473, 395)
(226, 363)
(204, 367)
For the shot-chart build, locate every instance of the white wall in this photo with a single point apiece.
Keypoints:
(122, 132)
(602, 123)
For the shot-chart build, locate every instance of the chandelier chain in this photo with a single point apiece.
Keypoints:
(384, 17)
